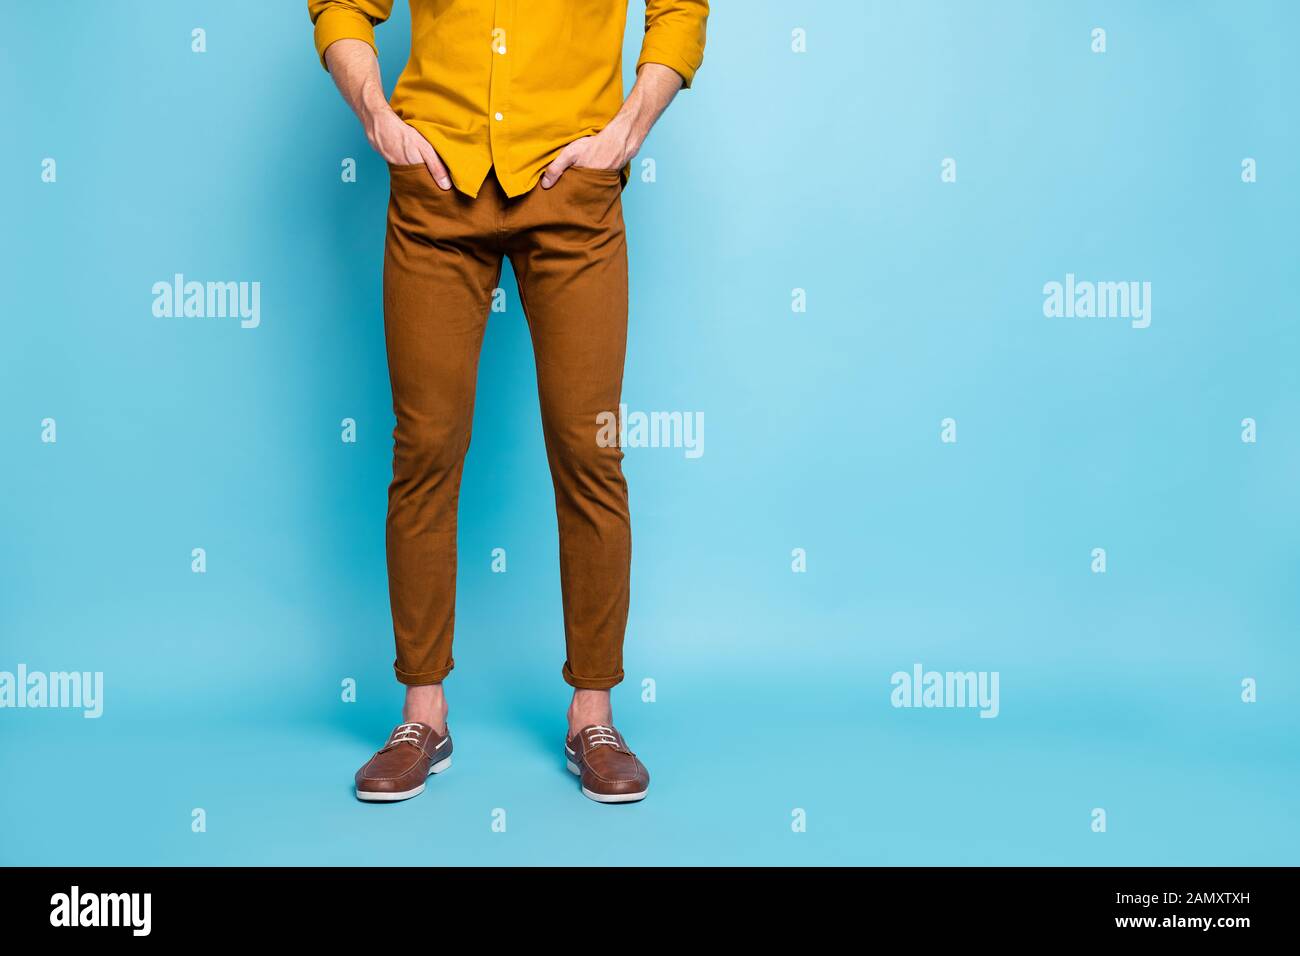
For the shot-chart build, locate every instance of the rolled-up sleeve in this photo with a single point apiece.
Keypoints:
(346, 20)
(674, 35)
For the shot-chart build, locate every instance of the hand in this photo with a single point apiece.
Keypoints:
(402, 145)
(608, 149)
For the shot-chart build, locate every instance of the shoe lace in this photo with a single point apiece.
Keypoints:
(406, 734)
(599, 735)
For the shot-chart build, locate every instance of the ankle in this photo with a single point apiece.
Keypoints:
(426, 704)
(589, 707)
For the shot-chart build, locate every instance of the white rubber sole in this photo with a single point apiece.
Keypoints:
(606, 797)
(375, 796)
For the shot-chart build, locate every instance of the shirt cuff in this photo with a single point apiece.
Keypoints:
(669, 58)
(336, 23)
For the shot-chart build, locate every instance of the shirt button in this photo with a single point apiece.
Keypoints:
(500, 117)
(501, 49)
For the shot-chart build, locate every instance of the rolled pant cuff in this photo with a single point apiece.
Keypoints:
(423, 677)
(590, 683)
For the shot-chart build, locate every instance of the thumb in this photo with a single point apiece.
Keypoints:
(436, 168)
(429, 156)
(554, 171)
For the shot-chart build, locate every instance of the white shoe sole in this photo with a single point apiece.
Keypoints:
(376, 796)
(606, 797)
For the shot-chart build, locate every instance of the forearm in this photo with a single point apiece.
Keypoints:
(655, 87)
(355, 71)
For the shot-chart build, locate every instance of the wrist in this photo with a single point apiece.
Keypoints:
(371, 104)
(622, 135)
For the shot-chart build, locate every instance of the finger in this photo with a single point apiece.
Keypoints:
(430, 159)
(552, 173)
(436, 169)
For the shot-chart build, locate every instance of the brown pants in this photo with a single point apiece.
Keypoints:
(442, 262)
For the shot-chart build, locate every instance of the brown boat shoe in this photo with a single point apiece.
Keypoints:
(402, 766)
(610, 772)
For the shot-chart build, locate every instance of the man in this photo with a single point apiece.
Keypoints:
(507, 137)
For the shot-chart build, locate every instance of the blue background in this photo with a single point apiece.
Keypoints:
(778, 171)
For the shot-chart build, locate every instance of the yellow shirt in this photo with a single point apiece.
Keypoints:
(509, 83)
